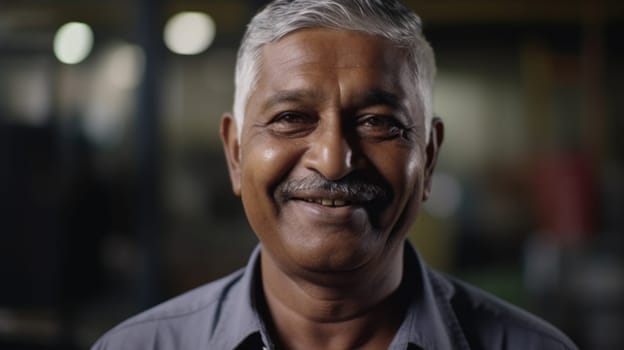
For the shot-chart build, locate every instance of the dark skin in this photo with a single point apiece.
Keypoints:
(332, 105)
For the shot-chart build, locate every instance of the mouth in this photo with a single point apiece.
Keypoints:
(327, 202)
(350, 193)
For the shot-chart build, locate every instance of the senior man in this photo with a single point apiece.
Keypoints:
(331, 147)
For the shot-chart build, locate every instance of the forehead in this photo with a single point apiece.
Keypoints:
(348, 60)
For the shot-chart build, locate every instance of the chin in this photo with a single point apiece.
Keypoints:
(334, 252)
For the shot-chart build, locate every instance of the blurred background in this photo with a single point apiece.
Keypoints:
(114, 194)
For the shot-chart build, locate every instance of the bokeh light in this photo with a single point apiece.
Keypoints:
(73, 42)
(189, 33)
(123, 66)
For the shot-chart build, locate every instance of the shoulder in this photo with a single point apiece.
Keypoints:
(491, 323)
(190, 316)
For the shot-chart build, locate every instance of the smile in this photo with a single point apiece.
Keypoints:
(328, 202)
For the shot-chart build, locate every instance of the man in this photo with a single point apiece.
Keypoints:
(331, 148)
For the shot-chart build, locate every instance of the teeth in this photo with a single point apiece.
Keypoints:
(328, 202)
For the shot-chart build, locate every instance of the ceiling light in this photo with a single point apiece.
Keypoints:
(73, 42)
(189, 33)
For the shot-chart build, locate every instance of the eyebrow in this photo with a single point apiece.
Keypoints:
(372, 97)
(288, 96)
(376, 97)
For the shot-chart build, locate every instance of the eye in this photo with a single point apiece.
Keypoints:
(292, 124)
(380, 127)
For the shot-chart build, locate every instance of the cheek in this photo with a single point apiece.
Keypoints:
(403, 170)
(260, 162)
(264, 165)
(404, 173)
(260, 166)
(414, 172)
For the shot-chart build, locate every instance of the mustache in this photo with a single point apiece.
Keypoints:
(353, 187)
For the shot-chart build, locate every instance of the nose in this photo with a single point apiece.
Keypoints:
(330, 153)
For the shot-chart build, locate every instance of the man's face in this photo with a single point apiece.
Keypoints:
(332, 162)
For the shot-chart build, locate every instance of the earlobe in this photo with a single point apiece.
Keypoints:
(231, 147)
(436, 137)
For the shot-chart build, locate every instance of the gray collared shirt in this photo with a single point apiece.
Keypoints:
(443, 314)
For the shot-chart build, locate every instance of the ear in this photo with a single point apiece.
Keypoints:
(436, 136)
(229, 138)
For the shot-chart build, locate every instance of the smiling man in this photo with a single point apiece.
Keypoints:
(331, 148)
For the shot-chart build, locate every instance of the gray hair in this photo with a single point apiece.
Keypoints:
(389, 19)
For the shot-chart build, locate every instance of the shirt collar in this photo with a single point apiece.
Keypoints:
(429, 322)
(242, 324)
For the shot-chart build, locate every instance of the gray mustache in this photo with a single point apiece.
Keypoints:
(354, 188)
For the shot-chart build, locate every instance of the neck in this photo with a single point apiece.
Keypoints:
(361, 309)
